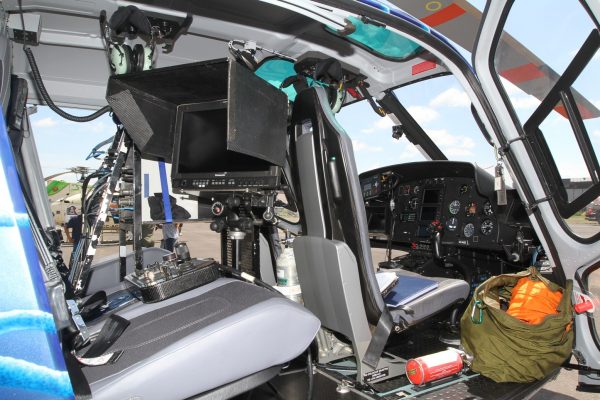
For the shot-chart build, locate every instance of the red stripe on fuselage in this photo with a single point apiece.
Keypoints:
(522, 73)
(444, 15)
(423, 66)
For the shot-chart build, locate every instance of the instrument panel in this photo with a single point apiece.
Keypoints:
(452, 203)
(456, 199)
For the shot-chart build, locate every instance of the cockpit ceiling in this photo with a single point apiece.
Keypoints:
(255, 14)
(74, 66)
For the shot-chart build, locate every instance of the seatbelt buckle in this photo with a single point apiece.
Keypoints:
(84, 335)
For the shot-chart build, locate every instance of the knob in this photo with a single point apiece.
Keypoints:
(217, 208)
(217, 225)
(268, 215)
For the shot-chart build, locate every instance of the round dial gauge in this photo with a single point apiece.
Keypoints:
(454, 207)
(487, 226)
(416, 189)
(469, 230)
(487, 209)
(471, 209)
(452, 224)
(413, 203)
(463, 189)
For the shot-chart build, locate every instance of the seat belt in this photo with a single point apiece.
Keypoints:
(382, 332)
(110, 332)
(81, 387)
(92, 305)
(94, 356)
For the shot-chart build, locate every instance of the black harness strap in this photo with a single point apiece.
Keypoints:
(110, 332)
(385, 325)
(81, 387)
(92, 304)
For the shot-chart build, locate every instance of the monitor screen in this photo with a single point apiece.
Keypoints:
(203, 145)
(203, 158)
(431, 196)
(428, 213)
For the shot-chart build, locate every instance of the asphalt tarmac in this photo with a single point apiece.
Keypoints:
(204, 243)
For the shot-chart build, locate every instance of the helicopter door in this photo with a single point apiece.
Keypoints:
(538, 62)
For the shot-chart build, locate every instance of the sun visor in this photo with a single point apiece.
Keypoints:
(147, 102)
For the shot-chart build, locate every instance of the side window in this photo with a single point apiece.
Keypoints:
(554, 93)
(593, 287)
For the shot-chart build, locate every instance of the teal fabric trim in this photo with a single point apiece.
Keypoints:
(275, 71)
(381, 40)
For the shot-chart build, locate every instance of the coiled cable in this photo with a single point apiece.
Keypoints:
(37, 78)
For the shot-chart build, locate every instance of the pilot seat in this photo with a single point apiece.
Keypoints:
(334, 255)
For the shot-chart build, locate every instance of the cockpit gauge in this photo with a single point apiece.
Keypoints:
(416, 189)
(487, 226)
(464, 189)
(413, 203)
(469, 230)
(452, 224)
(471, 209)
(454, 207)
(487, 209)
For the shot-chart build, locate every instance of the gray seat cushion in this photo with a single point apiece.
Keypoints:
(448, 292)
(200, 340)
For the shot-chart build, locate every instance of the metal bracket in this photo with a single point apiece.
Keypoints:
(506, 147)
(579, 367)
(78, 320)
(114, 160)
(530, 207)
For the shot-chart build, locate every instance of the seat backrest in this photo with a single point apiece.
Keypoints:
(331, 205)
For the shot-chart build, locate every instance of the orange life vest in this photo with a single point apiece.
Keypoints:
(531, 301)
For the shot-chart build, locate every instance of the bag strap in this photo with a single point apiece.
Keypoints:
(534, 273)
(481, 291)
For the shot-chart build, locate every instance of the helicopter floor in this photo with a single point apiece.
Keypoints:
(294, 385)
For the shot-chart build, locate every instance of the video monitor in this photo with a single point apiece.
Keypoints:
(201, 158)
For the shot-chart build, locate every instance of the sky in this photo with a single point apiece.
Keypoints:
(440, 105)
(63, 144)
(443, 109)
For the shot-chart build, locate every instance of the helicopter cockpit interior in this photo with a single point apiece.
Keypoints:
(240, 99)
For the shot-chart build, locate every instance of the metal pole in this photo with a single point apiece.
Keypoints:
(122, 250)
(137, 210)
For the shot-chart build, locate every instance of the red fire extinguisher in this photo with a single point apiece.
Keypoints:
(435, 366)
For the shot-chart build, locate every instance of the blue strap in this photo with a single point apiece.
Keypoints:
(146, 185)
(164, 186)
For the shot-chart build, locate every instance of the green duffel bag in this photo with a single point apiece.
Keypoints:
(506, 349)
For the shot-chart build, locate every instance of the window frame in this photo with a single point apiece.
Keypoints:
(561, 93)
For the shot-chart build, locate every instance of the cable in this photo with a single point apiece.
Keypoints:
(336, 367)
(249, 278)
(311, 378)
(37, 78)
